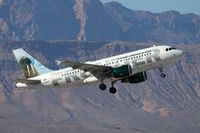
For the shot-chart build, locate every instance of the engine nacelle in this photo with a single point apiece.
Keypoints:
(122, 71)
(136, 78)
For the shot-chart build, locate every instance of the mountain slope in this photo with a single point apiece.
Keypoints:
(168, 27)
(91, 20)
(157, 105)
(40, 20)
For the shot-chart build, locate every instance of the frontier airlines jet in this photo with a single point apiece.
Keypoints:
(128, 68)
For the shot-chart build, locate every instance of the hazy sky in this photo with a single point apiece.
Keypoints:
(183, 6)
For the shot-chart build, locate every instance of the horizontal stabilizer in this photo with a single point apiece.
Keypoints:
(26, 81)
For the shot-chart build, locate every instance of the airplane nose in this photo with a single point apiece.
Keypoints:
(179, 53)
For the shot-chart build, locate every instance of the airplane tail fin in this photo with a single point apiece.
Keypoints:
(29, 65)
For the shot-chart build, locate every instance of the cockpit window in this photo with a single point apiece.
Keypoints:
(171, 48)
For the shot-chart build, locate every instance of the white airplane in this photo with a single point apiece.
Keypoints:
(128, 68)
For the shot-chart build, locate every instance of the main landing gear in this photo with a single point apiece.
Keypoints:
(163, 75)
(112, 89)
(102, 87)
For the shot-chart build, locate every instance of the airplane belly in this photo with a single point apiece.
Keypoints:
(88, 81)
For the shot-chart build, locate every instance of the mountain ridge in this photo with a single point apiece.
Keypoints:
(171, 22)
(93, 21)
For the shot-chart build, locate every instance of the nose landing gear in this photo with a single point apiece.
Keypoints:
(163, 75)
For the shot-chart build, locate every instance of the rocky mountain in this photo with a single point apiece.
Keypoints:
(167, 27)
(157, 105)
(91, 20)
(55, 20)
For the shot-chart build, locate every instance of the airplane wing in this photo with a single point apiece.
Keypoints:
(97, 70)
(27, 81)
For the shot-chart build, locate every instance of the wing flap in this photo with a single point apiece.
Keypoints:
(96, 70)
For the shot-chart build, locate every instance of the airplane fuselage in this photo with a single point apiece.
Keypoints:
(139, 61)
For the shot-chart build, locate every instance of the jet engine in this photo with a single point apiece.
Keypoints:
(136, 78)
(122, 71)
